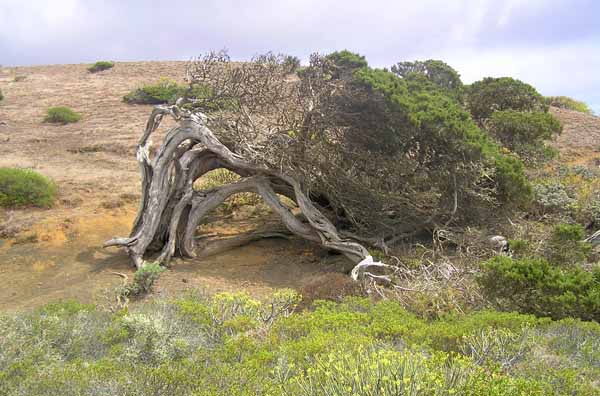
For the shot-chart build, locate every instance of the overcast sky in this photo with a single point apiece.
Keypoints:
(552, 44)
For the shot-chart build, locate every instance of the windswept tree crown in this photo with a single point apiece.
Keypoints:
(368, 156)
(387, 153)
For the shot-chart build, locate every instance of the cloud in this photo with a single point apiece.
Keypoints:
(550, 43)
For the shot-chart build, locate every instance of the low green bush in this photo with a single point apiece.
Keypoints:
(565, 102)
(1, 95)
(143, 280)
(100, 66)
(62, 115)
(532, 285)
(168, 91)
(164, 91)
(23, 187)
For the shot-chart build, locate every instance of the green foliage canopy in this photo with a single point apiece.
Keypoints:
(436, 71)
(486, 96)
(417, 135)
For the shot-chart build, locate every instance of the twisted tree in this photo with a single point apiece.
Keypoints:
(366, 156)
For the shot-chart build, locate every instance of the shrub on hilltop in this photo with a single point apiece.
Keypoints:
(565, 102)
(101, 66)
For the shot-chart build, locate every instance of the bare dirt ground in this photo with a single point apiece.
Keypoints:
(579, 142)
(49, 254)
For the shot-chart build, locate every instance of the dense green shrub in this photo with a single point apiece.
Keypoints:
(429, 133)
(198, 345)
(486, 96)
(22, 187)
(62, 115)
(532, 285)
(564, 102)
(566, 246)
(100, 66)
(524, 132)
(1, 95)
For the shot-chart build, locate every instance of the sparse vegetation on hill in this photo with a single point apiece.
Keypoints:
(62, 115)
(167, 91)
(100, 66)
(231, 344)
(565, 102)
(23, 187)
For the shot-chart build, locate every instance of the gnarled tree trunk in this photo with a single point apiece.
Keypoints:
(171, 210)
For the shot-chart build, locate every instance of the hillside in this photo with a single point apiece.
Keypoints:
(51, 254)
(580, 140)
(56, 253)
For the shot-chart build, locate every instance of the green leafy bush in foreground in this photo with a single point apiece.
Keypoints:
(231, 344)
(62, 115)
(143, 280)
(1, 95)
(100, 66)
(564, 102)
(22, 187)
(532, 285)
